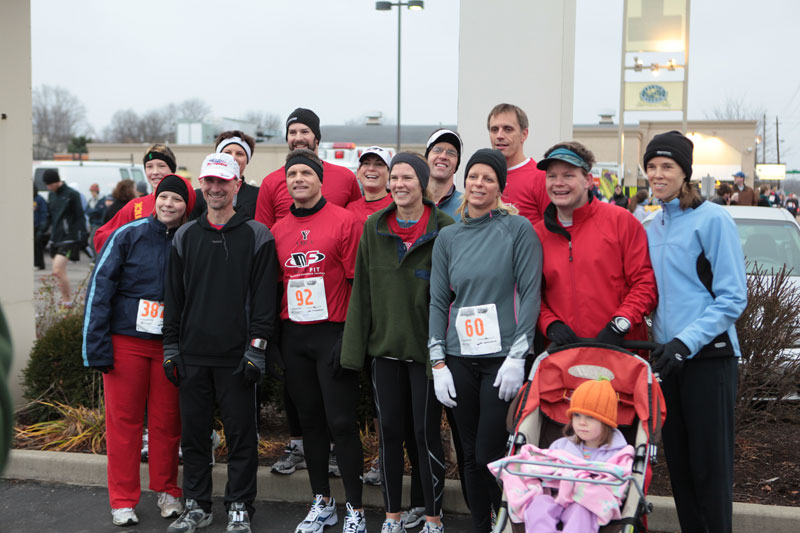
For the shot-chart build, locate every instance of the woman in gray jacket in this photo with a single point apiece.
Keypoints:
(485, 282)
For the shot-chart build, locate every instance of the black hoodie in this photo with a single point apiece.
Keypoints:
(220, 290)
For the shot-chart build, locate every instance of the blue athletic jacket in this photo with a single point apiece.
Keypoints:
(132, 265)
(699, 266)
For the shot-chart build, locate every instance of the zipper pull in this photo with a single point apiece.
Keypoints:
(570, 251)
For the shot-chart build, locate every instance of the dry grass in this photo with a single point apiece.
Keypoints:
(77, 429)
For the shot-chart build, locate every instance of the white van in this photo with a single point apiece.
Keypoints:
(84, 173)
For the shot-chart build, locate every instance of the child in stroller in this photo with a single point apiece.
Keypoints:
(546, 403)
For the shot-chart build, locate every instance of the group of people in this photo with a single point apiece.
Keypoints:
(442, 296)
(765, 196)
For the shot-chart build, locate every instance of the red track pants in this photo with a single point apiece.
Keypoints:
(137, 381)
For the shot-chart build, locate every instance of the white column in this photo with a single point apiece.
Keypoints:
(16, 211)
(520, 52)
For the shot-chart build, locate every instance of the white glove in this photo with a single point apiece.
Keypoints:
(509, 378)
(443, 386)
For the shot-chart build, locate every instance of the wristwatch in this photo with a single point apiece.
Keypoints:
(620, 325)
(259, 344)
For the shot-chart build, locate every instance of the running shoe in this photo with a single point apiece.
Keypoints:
(333, 466)
(354, 521)
(292, 459)
(390, 525)
(373, 477)
(238, 519)
(432, 527)
(145, 447)
(319, 516)
(413, 517)
(124, 516)
(192, 518)
(170, 506)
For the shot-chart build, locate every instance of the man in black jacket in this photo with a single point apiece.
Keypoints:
(219, 312)
(67, 226)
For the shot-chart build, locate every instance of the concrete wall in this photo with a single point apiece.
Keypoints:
(16, 283)
(521, 53)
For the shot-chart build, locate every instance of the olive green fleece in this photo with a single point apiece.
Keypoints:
(389, 304)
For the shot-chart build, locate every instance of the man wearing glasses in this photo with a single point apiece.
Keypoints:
(444, 154)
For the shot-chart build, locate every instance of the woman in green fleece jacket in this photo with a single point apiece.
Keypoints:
(387, 319)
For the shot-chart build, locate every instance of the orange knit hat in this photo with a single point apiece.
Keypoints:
(596, 398)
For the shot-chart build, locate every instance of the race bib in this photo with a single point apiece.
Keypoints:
(306, 299)
(150, 318)
(478, 330)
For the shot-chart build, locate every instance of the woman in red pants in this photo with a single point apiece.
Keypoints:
(122, 338)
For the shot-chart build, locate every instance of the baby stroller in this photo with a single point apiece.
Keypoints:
(538, 414)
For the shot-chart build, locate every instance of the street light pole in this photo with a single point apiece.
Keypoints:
(399, 37)
(415, 5)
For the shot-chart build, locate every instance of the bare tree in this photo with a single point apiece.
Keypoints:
(192, 110)
(155, 126)
(124, 127)
(58, 116)
(736, 108)
(267, 123)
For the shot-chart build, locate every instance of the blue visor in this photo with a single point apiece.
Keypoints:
(565, 155)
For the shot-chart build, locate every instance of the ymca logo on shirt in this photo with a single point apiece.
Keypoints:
(304, 259)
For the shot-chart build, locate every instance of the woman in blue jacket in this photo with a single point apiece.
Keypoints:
(699, 266)
(122, 338)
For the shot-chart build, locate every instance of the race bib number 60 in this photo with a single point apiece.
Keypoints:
(306, 299)
(478, 330)
(150, 318)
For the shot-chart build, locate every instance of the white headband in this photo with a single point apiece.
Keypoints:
(235, 140)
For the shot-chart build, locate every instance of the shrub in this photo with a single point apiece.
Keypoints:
(768, 375)
(75, 429)
(55, 371)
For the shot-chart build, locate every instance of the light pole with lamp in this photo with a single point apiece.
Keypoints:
(413, 5)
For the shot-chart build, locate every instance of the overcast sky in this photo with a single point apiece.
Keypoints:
(340, 58)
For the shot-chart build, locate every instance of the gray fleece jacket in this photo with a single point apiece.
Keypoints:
(496, 258)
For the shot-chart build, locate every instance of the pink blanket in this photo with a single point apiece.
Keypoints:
(602, 500)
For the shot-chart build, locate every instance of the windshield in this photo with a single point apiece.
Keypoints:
(770, 244)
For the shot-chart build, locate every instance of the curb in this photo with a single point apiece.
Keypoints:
(90, 470)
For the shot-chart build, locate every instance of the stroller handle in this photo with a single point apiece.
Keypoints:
(627, 344)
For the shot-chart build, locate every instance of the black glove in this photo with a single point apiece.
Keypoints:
(335, 359)
(561, 334)
(669, 357)
(105, 369)
(173, 364)
(607, 335)
(275, 365)
(252, 366)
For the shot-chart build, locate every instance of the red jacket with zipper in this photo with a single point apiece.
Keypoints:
(596, 269)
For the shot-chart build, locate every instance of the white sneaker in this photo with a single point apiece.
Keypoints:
(124, 516)
(413, 517)
(390, 525)
(215, 441)
(319, 516)
(170, 506)
(354, 521)
(432, 527)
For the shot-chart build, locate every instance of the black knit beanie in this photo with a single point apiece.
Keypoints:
(159, 151)
(304, 116)
(419, 165)
(493, 158)
(50, 176)
(173, 183)
(674, 145)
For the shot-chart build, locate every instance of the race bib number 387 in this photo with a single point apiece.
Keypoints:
(478, 330)
(150, 318)
(306, 299)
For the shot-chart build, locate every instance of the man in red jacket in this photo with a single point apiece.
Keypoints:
(341, 187)
(597, 278)
(508, 130)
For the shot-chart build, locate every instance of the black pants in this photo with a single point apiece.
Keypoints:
(403, 391)
(698, 442)
(200, 387)
(481, 418)
(319, 396)
(40, 238)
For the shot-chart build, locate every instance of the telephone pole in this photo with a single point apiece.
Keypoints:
(777, 141)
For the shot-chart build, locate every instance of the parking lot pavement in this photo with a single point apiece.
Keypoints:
(54, 508)
(77, 273)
